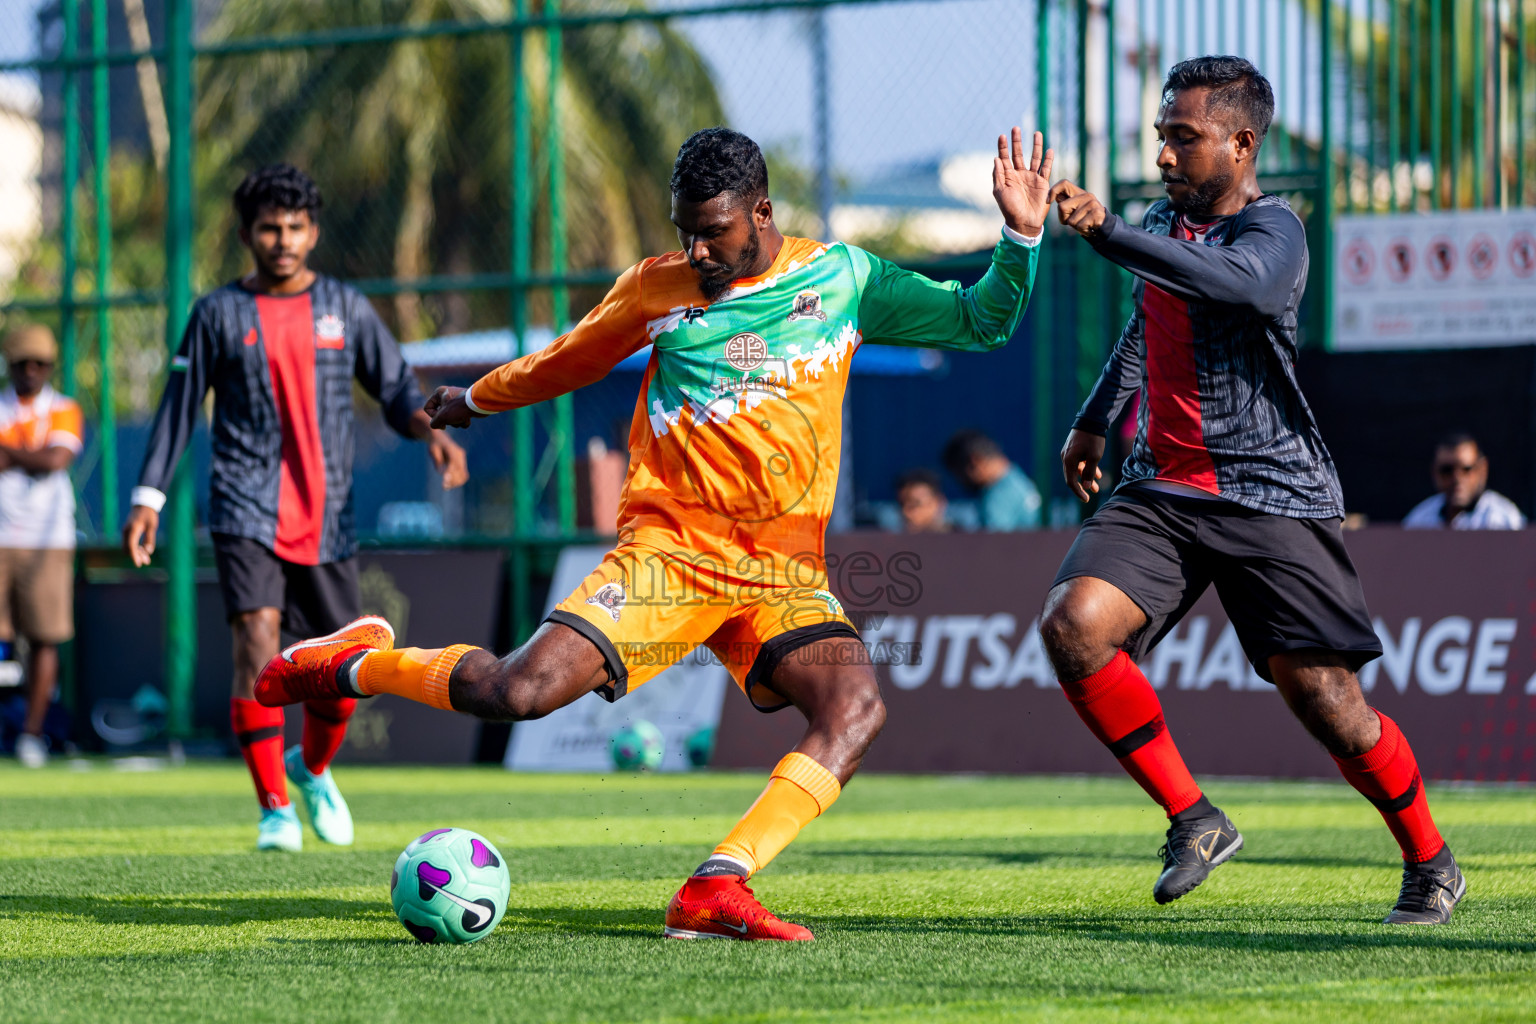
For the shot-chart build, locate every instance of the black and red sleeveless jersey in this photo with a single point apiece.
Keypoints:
(281, 368)
(1212, 349)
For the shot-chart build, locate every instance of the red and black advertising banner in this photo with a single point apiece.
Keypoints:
(952, 624)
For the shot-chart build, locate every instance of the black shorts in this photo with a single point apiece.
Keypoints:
(315, 599)
(1286, 584)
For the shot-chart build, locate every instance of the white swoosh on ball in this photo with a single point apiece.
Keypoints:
(482, 914)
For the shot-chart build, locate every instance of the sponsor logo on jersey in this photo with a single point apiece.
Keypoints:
(610, 598)
(807, 306)
(692, 313)
(330, 332)
(746, 351)
(770, 377)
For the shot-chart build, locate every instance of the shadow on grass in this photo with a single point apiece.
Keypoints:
(188, 911)
(937, 855)
(941, 855)
(621, 923)
(1271, 936)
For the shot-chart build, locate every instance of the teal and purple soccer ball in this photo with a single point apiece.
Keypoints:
(637, 747)
(701, 746)
(450, 885)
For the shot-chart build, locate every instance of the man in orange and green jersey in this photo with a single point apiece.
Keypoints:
(733, 465)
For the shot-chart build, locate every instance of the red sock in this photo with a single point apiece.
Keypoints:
(259, 729)
(1123, 711)
(325, 725)
(1388, 776)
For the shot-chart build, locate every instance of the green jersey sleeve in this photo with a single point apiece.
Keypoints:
(899, 307)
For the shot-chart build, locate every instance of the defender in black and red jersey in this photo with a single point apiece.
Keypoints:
(280, 347)
(1229, 483)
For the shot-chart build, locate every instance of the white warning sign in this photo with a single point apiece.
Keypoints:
(1435, 280)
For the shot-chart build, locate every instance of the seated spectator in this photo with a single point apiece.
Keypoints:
(1006, 497)
(40, 435)
(924, 509)
(1464, 501)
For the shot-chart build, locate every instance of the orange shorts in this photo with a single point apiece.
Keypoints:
(646, 610)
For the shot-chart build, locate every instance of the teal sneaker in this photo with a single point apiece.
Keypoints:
(279, 830)
(329, 815)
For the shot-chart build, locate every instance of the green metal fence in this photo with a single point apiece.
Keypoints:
(486, 170)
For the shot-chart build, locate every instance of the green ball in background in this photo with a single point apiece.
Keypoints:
(450, 885)
(638, 746)
(701, 746)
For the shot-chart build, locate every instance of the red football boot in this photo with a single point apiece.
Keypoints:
(722, 907)
(307, 670)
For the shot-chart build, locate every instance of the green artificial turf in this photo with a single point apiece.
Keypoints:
(139, 897)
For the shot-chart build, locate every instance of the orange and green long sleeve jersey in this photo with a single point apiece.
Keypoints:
(734, 447)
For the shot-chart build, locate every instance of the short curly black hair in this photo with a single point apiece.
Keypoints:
(719, 161)
(280, 186)
(1238, 91)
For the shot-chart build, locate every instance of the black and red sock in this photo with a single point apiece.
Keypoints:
(325, 726)
(1388, 776)
(1122, 709)
(259, 731)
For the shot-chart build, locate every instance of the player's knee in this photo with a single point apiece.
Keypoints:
(1070, 632)
(1064, 625)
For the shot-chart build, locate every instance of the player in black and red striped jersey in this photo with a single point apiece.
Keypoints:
(280, 347)
(1228, 483)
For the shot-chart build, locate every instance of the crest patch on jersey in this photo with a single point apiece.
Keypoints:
(833, 604)
(330, 331)
(746, 351)
(610, 598)
(807, 306)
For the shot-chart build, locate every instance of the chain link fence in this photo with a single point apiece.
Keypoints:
(491, 164)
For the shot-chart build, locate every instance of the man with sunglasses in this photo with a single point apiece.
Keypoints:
(1465, 501)
(40, 435)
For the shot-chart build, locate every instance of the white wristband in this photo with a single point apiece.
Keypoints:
(148, 497)
(469, 400)
(1024, 240)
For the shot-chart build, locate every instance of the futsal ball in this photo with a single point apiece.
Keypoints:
(637, 747)
(450, 885)
(701, 747)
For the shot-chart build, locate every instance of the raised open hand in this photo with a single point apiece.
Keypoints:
(1022, 190)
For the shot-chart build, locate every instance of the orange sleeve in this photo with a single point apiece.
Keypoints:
(66, 427)
(614, 330)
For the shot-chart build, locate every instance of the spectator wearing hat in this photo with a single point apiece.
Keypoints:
(40, 436)
(1465, 501)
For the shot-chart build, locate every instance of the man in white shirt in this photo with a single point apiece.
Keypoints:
(40, 435)
(1464, 501)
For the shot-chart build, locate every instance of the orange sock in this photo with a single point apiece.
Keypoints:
(799, 790)
(411, 672)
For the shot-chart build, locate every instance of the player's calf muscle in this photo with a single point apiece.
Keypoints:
(514, 688)
(1325, 696)
(840, 735)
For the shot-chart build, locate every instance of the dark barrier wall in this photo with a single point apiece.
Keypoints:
(432, 598)
(1382, 412)
(1457, 612)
